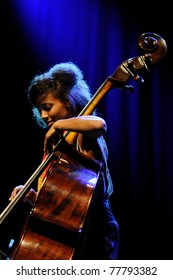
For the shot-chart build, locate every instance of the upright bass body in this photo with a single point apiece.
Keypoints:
(56, 227)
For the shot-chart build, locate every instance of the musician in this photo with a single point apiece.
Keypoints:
(57, 97)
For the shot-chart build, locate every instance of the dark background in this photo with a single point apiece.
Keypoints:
(98, 36)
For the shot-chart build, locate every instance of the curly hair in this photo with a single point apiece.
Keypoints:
(65, 80)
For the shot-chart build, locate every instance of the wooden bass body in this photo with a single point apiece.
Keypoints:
(56, 226)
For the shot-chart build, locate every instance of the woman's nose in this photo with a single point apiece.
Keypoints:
(44, 115)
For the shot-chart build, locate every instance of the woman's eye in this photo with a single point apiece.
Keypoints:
(46, 107)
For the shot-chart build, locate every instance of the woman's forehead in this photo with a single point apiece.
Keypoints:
(46, 97)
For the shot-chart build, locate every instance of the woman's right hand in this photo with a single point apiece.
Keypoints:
(30, 197)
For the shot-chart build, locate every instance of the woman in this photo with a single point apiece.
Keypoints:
(57, 97)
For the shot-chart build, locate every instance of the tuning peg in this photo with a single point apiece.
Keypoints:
(146, 60)
(128, 88)
(129, 66)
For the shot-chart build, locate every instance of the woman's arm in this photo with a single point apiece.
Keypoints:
(92, 126)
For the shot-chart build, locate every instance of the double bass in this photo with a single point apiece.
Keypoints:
(57, 224)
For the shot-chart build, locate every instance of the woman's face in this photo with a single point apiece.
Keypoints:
(52, 109)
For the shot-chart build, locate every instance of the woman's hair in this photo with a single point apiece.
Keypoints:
(66, 82)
